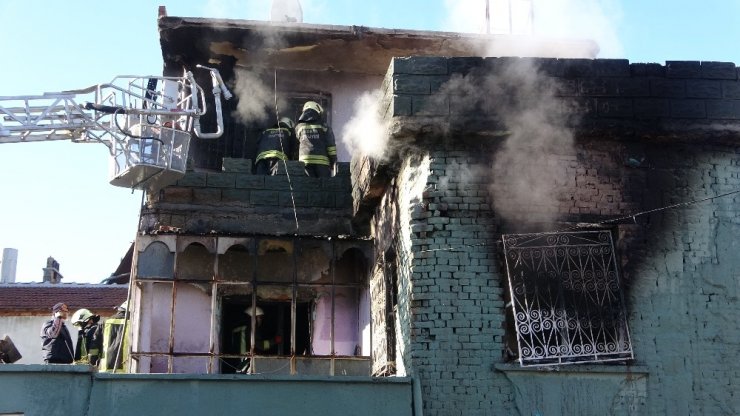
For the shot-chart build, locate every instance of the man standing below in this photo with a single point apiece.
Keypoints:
(318, 150)
(273, 146)
(57, 346)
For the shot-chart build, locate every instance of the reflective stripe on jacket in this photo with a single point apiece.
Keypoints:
(317, 145)
(274, 143)
(115, 344)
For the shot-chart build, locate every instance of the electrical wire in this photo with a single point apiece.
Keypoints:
(604, 222)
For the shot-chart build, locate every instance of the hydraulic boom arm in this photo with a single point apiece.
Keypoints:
(144, 121)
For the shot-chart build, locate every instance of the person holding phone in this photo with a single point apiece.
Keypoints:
(56, 345)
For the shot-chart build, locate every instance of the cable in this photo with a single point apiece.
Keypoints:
(285, 163)
(633, 216)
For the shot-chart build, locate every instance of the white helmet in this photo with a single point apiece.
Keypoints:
(258, 310)
(81, 316)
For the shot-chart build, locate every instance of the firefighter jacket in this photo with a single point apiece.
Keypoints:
(275, 143)
(89, 345)
(317, 145)
(115, 343)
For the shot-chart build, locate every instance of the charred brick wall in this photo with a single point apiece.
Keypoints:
(649, 150)
(235, 201)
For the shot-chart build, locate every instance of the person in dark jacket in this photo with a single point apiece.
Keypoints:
(318, 150)
(273, 146)
(57, 346)
(89, 337)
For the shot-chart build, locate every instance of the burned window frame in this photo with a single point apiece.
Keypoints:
(565, 299)
(294, 362)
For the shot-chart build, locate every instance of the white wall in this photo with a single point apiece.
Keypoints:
(25, 331)
(345, 89)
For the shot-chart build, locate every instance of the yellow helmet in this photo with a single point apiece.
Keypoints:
(81, 316)
(313, 105)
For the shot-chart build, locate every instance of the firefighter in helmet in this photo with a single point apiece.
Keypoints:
(273, 146)
(242, 337)
(317, 148)
(89, 337)
(115, 340)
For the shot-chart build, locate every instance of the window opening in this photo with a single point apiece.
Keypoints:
(311, 293)
(566, 298)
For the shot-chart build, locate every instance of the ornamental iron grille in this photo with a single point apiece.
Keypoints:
(566, 297)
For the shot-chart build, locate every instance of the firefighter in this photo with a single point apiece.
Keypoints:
(241, 338)
(115, 340)
(89, 337)
(274, 145)
(317, 149)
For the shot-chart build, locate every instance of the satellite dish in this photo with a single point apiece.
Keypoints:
(286, 11)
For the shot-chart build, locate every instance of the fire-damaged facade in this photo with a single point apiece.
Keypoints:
(224, 240)
(550, 235)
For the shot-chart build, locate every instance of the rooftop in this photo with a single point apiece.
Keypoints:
(34, 297)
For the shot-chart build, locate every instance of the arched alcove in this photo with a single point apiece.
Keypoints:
(195, 262)
(156, 261)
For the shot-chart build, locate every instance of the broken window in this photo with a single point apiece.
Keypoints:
(566, 298)
(312, 296)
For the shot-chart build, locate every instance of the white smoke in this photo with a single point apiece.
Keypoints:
(366, 133)
(525, 171)
(256, 97)
(596, 20)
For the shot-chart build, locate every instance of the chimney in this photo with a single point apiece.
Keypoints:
(9, 262)
(51, 271)
(286, 11)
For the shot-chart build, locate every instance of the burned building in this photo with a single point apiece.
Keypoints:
(548, 235)
(223, 238)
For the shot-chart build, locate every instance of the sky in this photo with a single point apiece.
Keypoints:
(55, 199)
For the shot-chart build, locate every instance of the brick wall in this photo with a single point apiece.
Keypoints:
(238, 202)
(642, 137)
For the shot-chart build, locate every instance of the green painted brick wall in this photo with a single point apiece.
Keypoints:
(679, 266)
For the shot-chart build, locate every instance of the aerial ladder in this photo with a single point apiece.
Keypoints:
(145, 121)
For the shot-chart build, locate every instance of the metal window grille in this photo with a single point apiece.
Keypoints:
(567, 299)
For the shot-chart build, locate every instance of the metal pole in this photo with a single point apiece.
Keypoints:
(488, 17)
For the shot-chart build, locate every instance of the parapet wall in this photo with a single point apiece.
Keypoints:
(235, 201)
(433, 95)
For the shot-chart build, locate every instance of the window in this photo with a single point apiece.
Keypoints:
(566, 298)
(313, 297)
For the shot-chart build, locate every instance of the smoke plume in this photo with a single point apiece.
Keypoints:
(596, 20)
(526, 172)
(366, 133)
(256, 98)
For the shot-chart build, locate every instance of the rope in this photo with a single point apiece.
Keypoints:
(285, 163)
